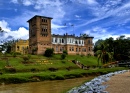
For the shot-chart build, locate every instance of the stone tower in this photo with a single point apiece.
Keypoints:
(39, 34)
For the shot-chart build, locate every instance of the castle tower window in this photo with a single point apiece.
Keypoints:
(89, 49)
(89, 42)
(42, 20)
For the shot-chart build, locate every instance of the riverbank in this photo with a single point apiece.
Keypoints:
(16, 78)
(100, 83)
(121, 81)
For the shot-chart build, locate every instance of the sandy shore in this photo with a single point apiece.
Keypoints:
(119, 83)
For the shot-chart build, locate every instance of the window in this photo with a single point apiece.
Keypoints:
(84, 50)
(44, 20)
(44, 30)
(62, 40)
(23, 48)
(76, 49)
(76, 42)
(18, 48)
(61, 49)
(79, 49)
(89, 42)
(56, 48)
(89, 49)
(72, 48)
(24, 41)
(79, 41)
(56, 40)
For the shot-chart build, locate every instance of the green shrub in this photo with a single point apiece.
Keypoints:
(29, 56)
(65, 52)
(49, 52)
(63, 56)
(25, 58)
(14, 54)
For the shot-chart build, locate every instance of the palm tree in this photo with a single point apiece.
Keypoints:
(103, 55)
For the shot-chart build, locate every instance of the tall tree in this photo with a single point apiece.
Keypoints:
(102, 53)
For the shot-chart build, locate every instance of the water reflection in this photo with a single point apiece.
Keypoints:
(56, 86)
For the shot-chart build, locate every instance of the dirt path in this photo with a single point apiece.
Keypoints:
(119, 83)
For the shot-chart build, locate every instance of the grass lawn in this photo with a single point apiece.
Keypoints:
(45, 68)
(41, 63)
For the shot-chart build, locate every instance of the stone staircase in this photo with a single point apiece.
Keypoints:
(80, 65)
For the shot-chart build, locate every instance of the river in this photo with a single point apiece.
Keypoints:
(56, 86)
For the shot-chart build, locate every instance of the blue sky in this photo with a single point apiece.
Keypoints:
(98, 18)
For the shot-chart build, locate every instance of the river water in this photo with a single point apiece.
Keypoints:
(56, 86)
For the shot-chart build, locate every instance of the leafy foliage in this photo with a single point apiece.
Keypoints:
(110, 49)
(49, 52)
(25, 58)
(65, 52)
(63, 56)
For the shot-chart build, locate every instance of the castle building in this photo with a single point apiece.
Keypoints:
(40, 38)
(21, 46)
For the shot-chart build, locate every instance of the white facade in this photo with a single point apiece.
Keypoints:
(68, 40)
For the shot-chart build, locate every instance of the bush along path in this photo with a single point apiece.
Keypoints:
(95, 85)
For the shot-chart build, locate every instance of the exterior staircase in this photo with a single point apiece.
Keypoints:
(80, 65)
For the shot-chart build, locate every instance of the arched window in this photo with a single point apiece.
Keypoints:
(18, 48)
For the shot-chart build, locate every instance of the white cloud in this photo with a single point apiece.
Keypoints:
(54, 26)
(102, 33)
(105, 11)
(98, 33)
(77, 16)
(24, 2)
(27, 2)
(91, 2)
(14, 1)
(4, 25)
(50, 8)
(22, 32)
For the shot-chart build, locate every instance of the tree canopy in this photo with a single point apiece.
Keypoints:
(110, 49)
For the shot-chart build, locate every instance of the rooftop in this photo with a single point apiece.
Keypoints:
(40, 16)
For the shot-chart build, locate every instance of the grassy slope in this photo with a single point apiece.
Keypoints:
(23, 72)
(54, 61)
